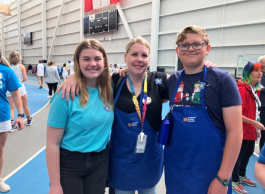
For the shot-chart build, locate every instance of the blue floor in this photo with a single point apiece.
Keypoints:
(33, 177)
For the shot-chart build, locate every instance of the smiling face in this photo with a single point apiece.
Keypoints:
(137, 58)
(91, 62)
(193, 58)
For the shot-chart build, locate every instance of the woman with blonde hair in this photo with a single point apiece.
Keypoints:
(53, 77)
(8, 82)
(78, 130)
(20, 72)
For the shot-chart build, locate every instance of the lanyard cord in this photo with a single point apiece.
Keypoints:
(135, 101)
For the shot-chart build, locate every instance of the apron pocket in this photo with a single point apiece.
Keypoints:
(141, 176)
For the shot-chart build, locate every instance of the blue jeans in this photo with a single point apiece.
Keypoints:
(147, 191)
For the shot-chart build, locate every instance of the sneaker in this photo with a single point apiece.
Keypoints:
(238, 188)
(4, 187)
(29, 120)
(40, 87)
(14, 128)
(247, 181)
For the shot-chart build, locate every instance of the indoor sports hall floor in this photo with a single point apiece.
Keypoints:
(25, 167)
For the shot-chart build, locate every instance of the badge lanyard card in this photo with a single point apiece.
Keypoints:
(141, 138)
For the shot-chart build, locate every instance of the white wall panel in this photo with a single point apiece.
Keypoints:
(117, 58)
(51, 22)
(11, 40)
(10, 20)
(166, 58)
(131, 3)
(53, 12)
(167, 41)
(69, 28)
(244, 11)
(244, 35)
(69, 17)
(173, 6)
(178, 21)
(140, 28)
(28, 52)
(30, 12)
(142, 12)
(31, 28)
(30, 5)
(68, 38)
(31, 20)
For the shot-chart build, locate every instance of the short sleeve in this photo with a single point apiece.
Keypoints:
(12, 81)
(261, 158)
(58, 114)
(229, 94)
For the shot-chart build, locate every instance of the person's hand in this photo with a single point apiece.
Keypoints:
(69, 85)
(217, 188)
(258, 134)
(209, 64)
(20, 121)
(259, 126)
(122, 72)
(56, 190)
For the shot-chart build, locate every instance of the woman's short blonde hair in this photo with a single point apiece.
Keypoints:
(14, 57)
(138, 39)
(192, 29)
(103, 81)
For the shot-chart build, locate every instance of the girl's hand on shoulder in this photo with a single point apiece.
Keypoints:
(209, 64)
(122, 72)
(56, 190)
(69, 86)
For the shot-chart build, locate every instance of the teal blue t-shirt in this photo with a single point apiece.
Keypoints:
(87, 128)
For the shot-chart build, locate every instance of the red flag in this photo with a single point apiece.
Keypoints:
(88, 5)
(96, 4)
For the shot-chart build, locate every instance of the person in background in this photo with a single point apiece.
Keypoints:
(78, 130)
(261, 60)
(30, 69)
(110, 66)
(53, 77)
(207, 121)
(260, 168)
(8, 82)
(65, 72)
(40, 72)
(71, 67)
(20, 72)
(249, 89)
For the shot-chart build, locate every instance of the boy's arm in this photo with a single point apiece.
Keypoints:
(260, 173)
(233, 124)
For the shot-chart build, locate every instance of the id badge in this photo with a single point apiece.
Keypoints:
(141, 143)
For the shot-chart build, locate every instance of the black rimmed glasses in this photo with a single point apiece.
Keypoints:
(196, 46)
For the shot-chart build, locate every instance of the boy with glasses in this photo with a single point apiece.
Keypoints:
(207, 123)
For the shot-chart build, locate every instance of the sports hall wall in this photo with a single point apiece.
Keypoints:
(236, 27)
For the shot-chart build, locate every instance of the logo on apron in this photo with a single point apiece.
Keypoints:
(189, 119)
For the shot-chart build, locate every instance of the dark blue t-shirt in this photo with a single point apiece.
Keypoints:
(261, 158)
(220, 91)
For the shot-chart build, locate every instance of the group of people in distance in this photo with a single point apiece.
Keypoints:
(206, 116)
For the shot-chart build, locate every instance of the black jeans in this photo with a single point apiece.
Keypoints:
(246, 151)
(262, 139)
(52, 86)
(83, 173)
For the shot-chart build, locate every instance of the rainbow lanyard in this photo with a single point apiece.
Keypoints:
(135, 101)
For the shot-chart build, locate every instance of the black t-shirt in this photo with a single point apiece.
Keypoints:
(155, 90)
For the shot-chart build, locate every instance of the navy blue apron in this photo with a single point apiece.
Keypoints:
(129, 170)
(194, 154)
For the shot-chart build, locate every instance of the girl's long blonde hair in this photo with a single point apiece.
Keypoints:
(3, 61)
(103, 81)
